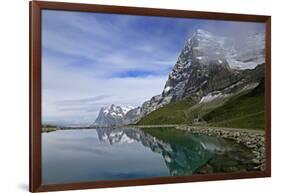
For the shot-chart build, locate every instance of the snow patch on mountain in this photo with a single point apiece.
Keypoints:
(211, 97)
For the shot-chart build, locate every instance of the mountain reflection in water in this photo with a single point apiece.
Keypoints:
(129, 153)
(183, 153)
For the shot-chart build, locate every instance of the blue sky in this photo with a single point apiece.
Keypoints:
(91, 60)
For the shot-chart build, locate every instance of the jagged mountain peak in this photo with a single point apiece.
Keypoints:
(202, 47)
(112, 115)
(200, 33)
(202, 54)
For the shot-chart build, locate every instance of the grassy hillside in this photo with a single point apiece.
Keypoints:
(180, 112)
(244, 110)
(173, 113)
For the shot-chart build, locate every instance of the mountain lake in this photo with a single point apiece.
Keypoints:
(100, 154)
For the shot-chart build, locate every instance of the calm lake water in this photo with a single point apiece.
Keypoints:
(130, 153)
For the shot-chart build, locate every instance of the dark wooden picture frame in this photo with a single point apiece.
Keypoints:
(35, 93)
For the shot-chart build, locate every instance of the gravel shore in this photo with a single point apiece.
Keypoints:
(253, 139)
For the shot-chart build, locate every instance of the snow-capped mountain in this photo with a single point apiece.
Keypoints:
(112, 115)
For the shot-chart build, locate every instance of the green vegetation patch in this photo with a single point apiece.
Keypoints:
(246, 111)
(173, 113)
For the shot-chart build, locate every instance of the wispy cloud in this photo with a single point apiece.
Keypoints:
(86, 101)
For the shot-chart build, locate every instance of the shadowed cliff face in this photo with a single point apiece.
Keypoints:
(182, 153)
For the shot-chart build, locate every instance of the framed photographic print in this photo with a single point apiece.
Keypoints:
(123, 96)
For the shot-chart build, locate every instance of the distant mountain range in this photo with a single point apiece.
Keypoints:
(209, 68)
(112, 115)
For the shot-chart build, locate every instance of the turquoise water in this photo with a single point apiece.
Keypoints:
(129, 153)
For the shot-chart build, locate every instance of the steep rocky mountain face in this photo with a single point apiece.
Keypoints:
(114, 115)
(208, 66)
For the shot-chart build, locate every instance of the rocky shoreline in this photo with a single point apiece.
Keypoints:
(253, 139)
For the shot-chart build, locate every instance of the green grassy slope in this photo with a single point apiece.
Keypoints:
(173, 113)
(244, 110)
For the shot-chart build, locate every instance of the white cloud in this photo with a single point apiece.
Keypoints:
(66, 100)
